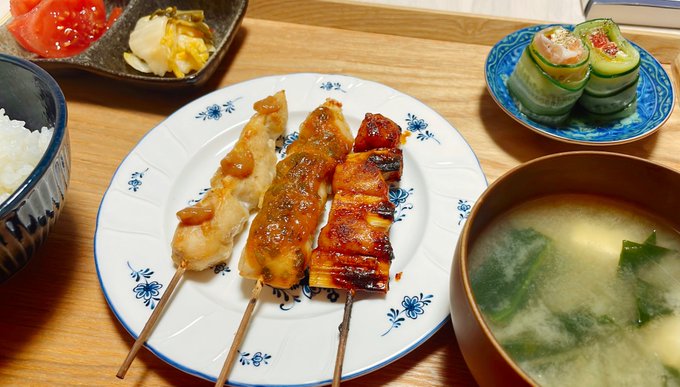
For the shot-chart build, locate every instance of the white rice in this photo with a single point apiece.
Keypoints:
(20, 151)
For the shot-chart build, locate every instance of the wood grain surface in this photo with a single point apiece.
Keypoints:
(55, 325)
(562, 11)
(430, 24)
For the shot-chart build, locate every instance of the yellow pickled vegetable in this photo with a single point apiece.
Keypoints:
(169, 40)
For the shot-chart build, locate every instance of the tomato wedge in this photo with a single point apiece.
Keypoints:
(20, 7)
(60, 28)
(113, 16)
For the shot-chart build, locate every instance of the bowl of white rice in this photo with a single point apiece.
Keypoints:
(34, 160)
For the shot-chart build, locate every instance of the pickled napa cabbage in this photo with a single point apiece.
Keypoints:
(169, 40)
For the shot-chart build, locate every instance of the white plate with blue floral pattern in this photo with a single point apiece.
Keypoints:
(293, 335)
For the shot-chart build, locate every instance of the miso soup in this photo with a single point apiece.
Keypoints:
(581, 290)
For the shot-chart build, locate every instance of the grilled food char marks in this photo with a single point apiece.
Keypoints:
(354, 250)
(281, 235)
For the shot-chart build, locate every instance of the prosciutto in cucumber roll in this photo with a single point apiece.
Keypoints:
(615, 66)
(550, 76)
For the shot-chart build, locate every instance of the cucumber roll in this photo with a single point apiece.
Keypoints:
(550, 76)
(615, 66)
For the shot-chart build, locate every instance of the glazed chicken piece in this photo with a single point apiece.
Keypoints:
(281, 235)
(354, 250)
(377, 132)
(205, 234)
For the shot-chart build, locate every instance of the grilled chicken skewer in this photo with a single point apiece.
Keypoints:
(354, 250)
(281, 235)
(205, 234)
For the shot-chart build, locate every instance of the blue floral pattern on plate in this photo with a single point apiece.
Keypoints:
(464, 208)
(221, 268)
(198, 197)
(412, 308)
(331, 86)
(283, 142)
(291, 296)
(148, 291)
(215, 111)
(399, 196)
(256, 359)
(135, 181)
(655, 97)
(419, 127)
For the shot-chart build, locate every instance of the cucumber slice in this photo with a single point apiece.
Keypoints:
(567, 75)
(604, 86)
(569, 57)
(603, 37)
(539, 96)
(615, 66)
(609, 103)
(625, 112)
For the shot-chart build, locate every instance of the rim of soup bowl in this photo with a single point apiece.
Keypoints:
(467, 238)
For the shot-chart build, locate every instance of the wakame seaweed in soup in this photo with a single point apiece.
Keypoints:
(581, 290)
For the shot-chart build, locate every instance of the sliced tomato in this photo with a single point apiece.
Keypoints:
(20, 7)
(113, 16)
(22, 29)
(60, 28)
(601, 40)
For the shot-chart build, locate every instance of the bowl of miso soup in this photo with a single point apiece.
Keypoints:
(567, 273)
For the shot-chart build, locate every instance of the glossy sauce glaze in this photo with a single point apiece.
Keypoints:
(204, 235)
(281, 235)
(354, 250)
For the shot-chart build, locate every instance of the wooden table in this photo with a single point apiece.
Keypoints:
(55, 325)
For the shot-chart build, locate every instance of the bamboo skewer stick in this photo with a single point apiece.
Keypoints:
(240, 333)
(151, 322)
(342, 344)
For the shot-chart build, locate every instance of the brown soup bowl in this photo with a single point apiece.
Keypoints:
(644, 184)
